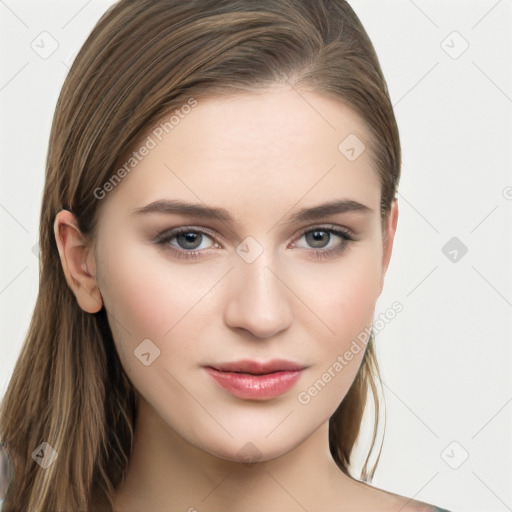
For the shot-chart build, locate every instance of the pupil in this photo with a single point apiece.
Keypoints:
(318, 239)
(189, 240)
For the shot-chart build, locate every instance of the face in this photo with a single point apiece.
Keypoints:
(267, 279)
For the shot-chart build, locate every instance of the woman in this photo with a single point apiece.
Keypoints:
(218, 218)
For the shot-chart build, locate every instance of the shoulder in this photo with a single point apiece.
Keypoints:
(410, 505)
(387, 501)
(418, 506)
(425, 507)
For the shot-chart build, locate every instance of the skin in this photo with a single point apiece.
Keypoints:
(261, 156)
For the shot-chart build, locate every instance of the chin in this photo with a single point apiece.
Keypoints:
(247, 453)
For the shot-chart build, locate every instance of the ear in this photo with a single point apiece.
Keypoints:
(388, 239)
(77, 261)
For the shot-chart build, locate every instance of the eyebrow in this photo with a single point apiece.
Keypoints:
(167, 206)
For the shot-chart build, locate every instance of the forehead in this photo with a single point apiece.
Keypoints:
(280, 145)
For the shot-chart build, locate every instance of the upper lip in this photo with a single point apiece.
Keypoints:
(257, 367)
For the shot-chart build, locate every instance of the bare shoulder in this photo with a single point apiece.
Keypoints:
(385, 501)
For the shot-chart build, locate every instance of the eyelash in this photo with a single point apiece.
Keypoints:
(345, 234)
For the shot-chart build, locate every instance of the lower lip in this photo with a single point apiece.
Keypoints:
(256, 387)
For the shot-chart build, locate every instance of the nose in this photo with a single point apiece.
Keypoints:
(258, 299)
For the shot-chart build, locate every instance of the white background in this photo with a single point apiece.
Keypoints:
(446, 358)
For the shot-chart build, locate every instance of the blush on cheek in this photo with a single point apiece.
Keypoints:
(159, 302)
(349, 306)
(139, 300)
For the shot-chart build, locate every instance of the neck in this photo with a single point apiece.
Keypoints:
(166, 473)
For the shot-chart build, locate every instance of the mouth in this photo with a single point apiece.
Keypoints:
(253, 380)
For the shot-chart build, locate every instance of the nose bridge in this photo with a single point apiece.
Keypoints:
(258, 300)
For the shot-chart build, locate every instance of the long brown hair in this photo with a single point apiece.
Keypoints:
(143, 60)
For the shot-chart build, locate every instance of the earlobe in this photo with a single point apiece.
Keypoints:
(77, 261)
(389, 237)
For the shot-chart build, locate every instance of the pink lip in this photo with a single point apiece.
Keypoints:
(252, 380)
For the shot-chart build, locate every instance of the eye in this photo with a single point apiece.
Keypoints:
(189, 242)
(318, 239)
(186, 242)
(324, 242)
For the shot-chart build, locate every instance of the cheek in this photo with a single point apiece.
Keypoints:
(344, 300)
(342, 295)
(159, 301)
(148, 294)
